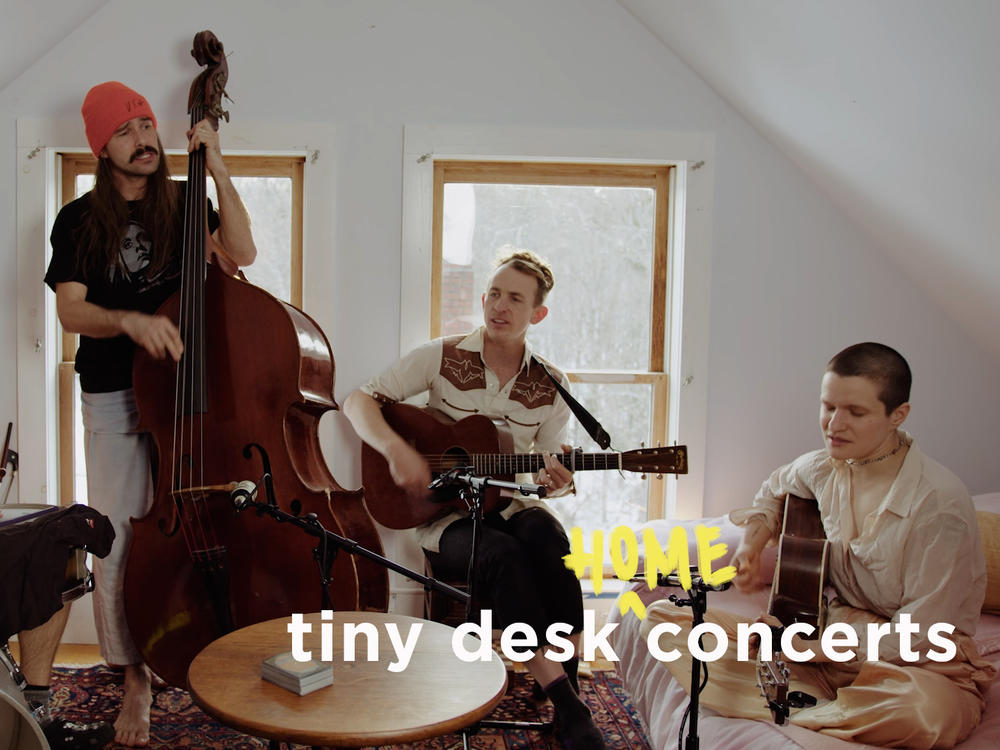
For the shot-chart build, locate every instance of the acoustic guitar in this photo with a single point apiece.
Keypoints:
(486, 446)
(796, 596)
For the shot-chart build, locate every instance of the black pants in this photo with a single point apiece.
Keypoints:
(520, 570)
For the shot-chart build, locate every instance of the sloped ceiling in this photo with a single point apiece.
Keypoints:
(891, 107)
(32, 27)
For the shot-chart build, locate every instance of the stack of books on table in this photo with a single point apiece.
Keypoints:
(298, 676)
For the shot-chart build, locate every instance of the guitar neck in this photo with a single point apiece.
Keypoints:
(529, 463)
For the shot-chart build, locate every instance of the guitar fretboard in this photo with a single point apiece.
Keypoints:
(527, 463)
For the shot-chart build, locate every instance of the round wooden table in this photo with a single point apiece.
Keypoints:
(367, 704)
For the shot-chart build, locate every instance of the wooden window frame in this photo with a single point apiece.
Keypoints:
(72, 165)
(655, 176)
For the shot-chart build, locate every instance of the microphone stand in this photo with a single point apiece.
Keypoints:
(473, 489)
(330, 543)
(698, 601)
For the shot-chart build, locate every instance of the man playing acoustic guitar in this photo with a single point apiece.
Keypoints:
(904, 543)
(491, 371)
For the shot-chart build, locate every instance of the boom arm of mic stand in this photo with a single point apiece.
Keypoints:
(311, 525)
(480, 482)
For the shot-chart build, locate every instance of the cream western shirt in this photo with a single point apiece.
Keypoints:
(917, 552)
(457, 382)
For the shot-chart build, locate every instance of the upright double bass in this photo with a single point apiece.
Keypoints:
(246, 398)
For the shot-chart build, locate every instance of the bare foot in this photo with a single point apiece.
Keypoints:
(132, 724)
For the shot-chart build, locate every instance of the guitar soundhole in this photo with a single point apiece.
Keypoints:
(454, 456)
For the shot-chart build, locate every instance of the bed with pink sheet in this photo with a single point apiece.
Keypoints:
(661, 700)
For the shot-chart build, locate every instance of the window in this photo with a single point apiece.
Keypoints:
(271, 188)
(603, 227)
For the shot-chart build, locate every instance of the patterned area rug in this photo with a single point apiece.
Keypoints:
(93, 693)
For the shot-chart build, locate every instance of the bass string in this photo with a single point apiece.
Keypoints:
(188, 455)
(199, 228)
(181, 384)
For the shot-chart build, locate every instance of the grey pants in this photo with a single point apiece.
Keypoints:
(120, 486)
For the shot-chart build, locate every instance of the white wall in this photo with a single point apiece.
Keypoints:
(792, 281)
(792, 284)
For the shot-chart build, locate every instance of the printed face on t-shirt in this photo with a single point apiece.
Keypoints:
(135, 253)
(136, 250)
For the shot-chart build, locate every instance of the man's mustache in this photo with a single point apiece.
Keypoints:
(140, 151)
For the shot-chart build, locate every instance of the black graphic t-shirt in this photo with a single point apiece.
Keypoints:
(106, 364)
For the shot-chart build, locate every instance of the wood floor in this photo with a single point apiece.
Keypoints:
(70, 654)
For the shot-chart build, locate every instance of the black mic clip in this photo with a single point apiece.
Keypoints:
(697, 582)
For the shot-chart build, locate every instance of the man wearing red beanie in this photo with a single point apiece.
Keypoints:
(107, 106)
(116, 257)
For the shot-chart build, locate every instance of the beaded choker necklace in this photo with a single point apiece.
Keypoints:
(899, 446)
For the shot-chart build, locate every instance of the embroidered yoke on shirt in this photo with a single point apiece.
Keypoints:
(458, 383)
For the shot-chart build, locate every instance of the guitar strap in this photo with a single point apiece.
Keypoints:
(589, 422)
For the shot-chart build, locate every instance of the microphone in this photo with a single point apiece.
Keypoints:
(697, 582)
(673, 580)
(449, 477)
(243, 494)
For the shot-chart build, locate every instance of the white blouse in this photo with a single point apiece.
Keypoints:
(918, 551)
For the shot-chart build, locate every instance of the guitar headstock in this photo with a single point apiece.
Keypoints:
(670, 459)
(772, 679)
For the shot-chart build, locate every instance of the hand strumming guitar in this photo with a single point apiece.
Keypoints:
(409, 469)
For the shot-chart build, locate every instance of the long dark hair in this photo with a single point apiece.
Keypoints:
(107, 218)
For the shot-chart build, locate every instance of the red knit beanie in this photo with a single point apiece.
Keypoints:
(107, 106)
